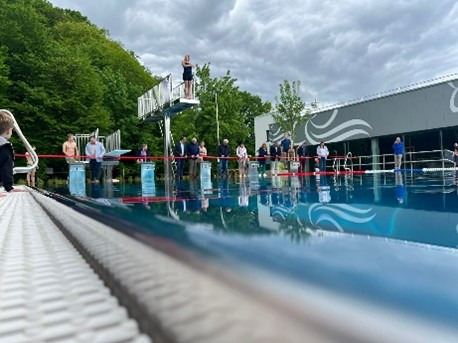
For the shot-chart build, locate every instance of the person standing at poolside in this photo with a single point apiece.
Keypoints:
(455, 155)
(285, 145)
(323, 153)
(262, 153)
(302, 154)
(243, 158)
(193, 155)
(187, 76)
(70, 149)
(6, 151)
(94, 154)
(30, 177)
(202, 151)
(224, 151)
(143, 153)
(398, 150)
(180, 153)
(275, 153)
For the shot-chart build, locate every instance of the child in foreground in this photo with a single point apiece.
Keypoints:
(6, 151)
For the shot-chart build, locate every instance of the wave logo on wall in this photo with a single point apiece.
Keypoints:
(275, 133)
(316, 133)
(453, 107)
(337, 216)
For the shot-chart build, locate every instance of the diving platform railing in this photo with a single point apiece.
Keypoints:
(164, 98)
(33, 154)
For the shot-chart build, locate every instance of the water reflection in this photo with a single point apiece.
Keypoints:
(300, 206)
(400, 188)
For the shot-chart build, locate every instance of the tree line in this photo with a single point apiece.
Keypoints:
(60, 73)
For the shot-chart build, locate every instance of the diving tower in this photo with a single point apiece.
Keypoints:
(161, 103)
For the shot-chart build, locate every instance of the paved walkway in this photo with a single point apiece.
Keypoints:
(48, 293)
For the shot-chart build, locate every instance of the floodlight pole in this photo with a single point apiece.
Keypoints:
(217, 118)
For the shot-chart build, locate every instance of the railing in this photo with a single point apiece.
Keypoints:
(33, 154)
(154, 99)
(162, 95)
(179, 93)
(113, 141)
(348, 162)
(422, 84)
(411, 160)
(83, 138)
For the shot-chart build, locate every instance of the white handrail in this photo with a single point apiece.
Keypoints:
(33, 154)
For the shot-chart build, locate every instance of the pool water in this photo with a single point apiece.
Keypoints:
(388, 239)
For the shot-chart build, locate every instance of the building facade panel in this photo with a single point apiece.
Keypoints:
(420, 109)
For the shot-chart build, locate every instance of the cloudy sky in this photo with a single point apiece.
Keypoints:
(339, 50)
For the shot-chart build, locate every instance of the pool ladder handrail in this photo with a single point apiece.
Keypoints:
(348, 157)
(33, 154)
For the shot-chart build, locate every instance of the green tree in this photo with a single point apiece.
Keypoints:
(290, 108)
(59, 74)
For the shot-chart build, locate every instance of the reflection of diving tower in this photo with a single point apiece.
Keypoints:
(161, 103)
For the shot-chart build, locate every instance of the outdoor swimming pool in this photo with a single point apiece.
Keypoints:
(388, 239)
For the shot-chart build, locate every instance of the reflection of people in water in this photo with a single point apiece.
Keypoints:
(225, 200)
(96, 190)
(263, 193)
(243, 195)
(303, 190)
(400, 188)
(193, 203)
(324, 191)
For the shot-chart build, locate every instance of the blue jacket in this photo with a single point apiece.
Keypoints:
(262, 153)
(398, 148)
(193, 149)
(285, 144)
(275, 152)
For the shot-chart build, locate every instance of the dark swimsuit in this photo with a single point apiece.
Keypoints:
(187, 73)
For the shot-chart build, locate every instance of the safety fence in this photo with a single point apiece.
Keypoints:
(413, 161)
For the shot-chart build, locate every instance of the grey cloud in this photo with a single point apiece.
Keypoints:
(339, 50)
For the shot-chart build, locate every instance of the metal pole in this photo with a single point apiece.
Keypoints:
(167, 169)
(217, 118)
(442, 149)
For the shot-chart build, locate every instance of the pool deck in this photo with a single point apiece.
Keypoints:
(65, 277)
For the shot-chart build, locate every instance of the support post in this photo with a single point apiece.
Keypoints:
(167, 163)
(375, 151)
(441, 140)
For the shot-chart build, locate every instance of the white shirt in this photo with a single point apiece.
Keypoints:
(241, 152)
(322, 152)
